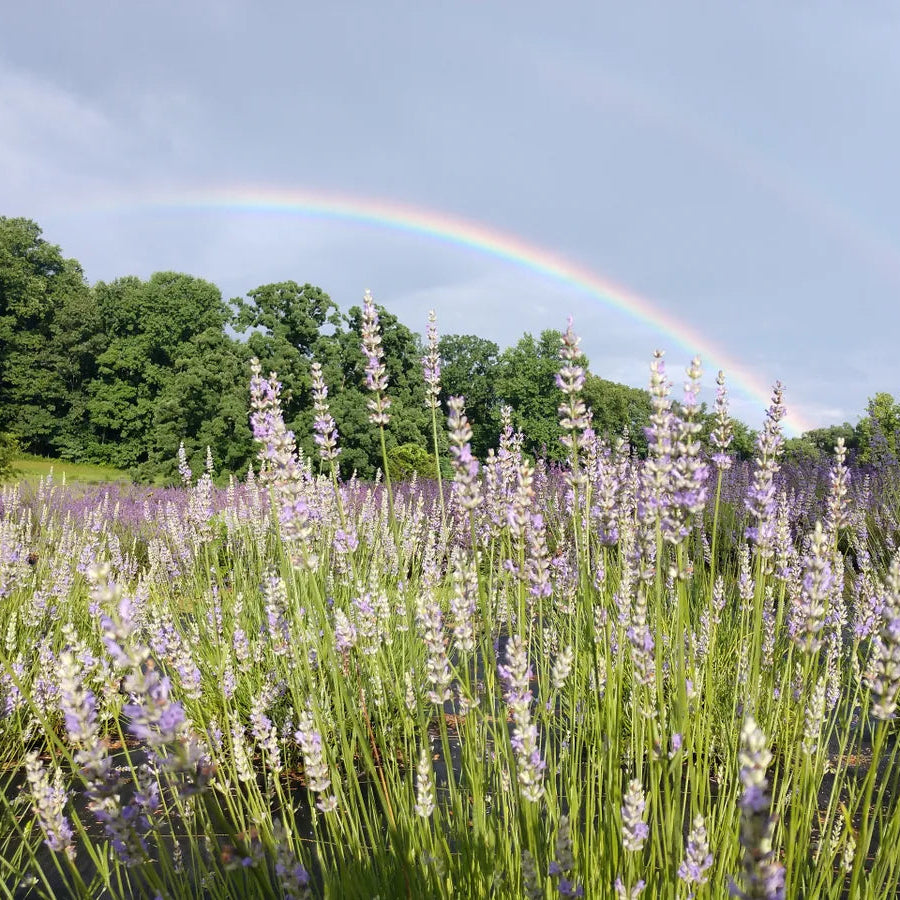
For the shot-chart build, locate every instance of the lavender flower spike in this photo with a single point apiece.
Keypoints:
(884, 669)
(635, 830)
(48, 801)
(326, 435)
(315, 764)
(697, 858)
(465, 464)
(515, 675)
(763, 876)
(431, 364)
(424, 784)
(723, 433)
(376, 373)
(761, 496)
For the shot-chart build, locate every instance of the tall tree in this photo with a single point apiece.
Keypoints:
(147, 327)
(618, 410)
(879, 431)
(469, 369)
(526, 380)
(42, 368)
(283, 323)
(203, 404)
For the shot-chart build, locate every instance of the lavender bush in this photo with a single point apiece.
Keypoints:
(675, 677)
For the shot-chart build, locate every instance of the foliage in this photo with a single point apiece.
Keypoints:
(406, 459)
(879, 431)
(618, 411)
(9, 450)
(526, 381)
(45, 349)
(469, 369)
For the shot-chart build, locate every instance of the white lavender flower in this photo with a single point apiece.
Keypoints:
(883, 674)
(515, 676)
(562, 668)
(48, 801)
(635, 830)
(763, 875)
(437, 665)
(315, 764)
(424, 784)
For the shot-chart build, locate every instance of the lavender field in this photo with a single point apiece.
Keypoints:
(618, 677)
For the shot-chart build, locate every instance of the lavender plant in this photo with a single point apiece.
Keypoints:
(604, 677)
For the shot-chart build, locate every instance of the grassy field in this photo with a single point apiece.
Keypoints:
(32, 468)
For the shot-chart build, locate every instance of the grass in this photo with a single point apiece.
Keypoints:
(33, 468)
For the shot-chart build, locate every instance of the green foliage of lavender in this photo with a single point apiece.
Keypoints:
(613, 675)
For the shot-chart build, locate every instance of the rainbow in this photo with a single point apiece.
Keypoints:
(476, 236)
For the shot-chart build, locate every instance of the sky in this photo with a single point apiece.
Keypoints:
(729, 169)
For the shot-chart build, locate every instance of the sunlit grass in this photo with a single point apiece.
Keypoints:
(33, 468)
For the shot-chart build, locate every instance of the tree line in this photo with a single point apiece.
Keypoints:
(121, 372)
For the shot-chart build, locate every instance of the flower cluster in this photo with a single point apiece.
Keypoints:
(723, 432)
(465, 465)
(884, 669)
(315, 764)
(763, 875)
(761, 501)
(515, 676)
(431, 364)
(324, 426)
(376, 372)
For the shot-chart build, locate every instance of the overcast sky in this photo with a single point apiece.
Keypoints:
(734, 163)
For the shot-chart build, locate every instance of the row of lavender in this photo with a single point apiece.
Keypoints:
(625, 678)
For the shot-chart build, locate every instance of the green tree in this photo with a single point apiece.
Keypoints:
(618, 410)
(818, 444)
(283, 323)
(406, 459)
(469, 369)
(148, 326)
(9, 449)
(526, 380)
(879, 431)
(203, 404)
(45, 327)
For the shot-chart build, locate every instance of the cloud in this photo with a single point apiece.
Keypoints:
(59, 149)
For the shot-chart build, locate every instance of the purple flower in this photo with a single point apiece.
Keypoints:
(281, 466)
(697, 858)
(763, 876)
(315, 764)
(884, 669)
(48, 801)
(808, 614)
(465, 465)
(761, 496)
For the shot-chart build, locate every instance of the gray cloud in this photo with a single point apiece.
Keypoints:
(733, 163)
